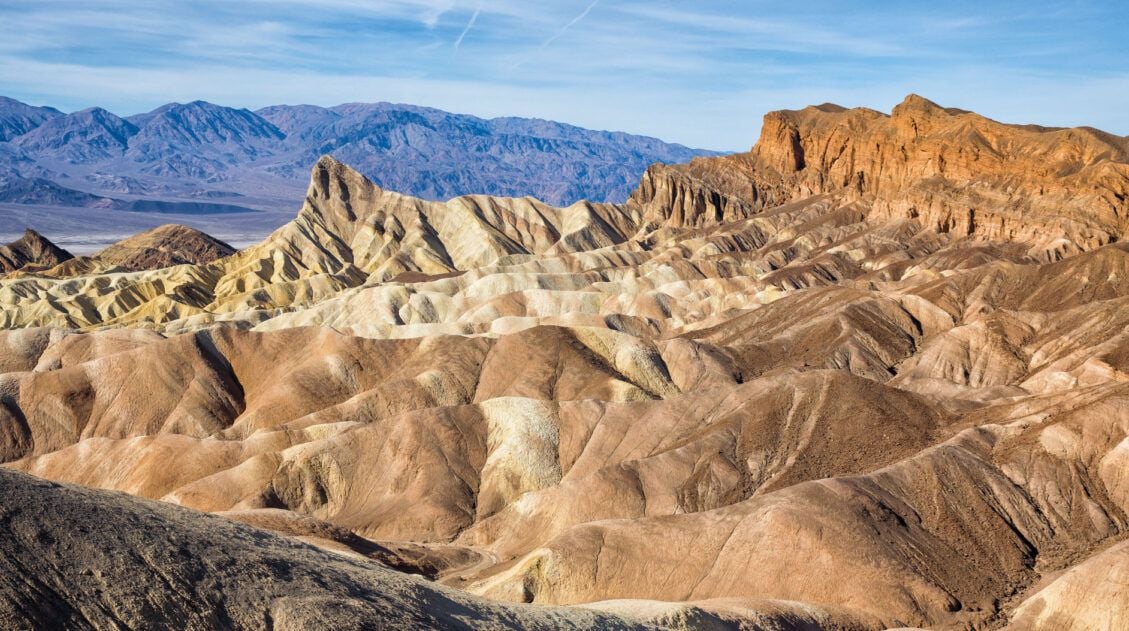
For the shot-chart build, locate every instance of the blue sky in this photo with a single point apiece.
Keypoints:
(699, 72)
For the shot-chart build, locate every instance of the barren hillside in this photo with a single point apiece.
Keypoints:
(872, 373)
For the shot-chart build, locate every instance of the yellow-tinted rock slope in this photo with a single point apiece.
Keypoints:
(872, 373)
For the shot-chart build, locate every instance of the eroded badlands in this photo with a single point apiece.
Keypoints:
(870, 374)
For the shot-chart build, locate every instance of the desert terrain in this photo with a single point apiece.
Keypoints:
(872, 373)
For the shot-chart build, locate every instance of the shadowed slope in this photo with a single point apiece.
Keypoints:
(146, 563)
(165, 246)
(31, 250)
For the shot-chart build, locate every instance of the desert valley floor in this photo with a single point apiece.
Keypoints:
(873, 373)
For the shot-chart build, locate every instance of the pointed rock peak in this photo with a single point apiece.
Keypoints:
(31, 249)
(326, 170)
(330, 170)
(97, 115)
(34, 242)
(918, 104)
(31, 236)
(329, 162)
(334, 187)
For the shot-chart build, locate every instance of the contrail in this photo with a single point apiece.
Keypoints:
(469, 25)
(583, 14)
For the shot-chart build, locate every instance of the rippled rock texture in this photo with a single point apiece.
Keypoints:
(873, 373)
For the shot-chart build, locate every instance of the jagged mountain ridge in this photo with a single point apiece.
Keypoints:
(85, 136)
(753, 394)
(955, 170)
(385, 141)
(701, 205)
(198, 139)
(18, 118)
(186, 149)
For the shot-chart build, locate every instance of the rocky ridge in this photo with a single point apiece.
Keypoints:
(763, 392)
(18, 118)
(1059, 191)
(33, 249)
(265, 580)
(164, 246)
(182, 151)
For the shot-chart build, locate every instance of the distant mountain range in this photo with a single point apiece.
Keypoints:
(95, 158)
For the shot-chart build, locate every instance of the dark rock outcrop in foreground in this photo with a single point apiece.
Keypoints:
(73, 558)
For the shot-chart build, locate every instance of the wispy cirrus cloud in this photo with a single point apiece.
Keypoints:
(571, 23)
(786, 34)
(469, 26)
(701, 73)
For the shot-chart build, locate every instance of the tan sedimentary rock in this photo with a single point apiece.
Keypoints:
(1091, 595)
(872, 373)
(1059, 190)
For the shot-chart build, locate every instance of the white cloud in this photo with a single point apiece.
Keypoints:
(466, 29)
(571, 23)
(701, 73)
